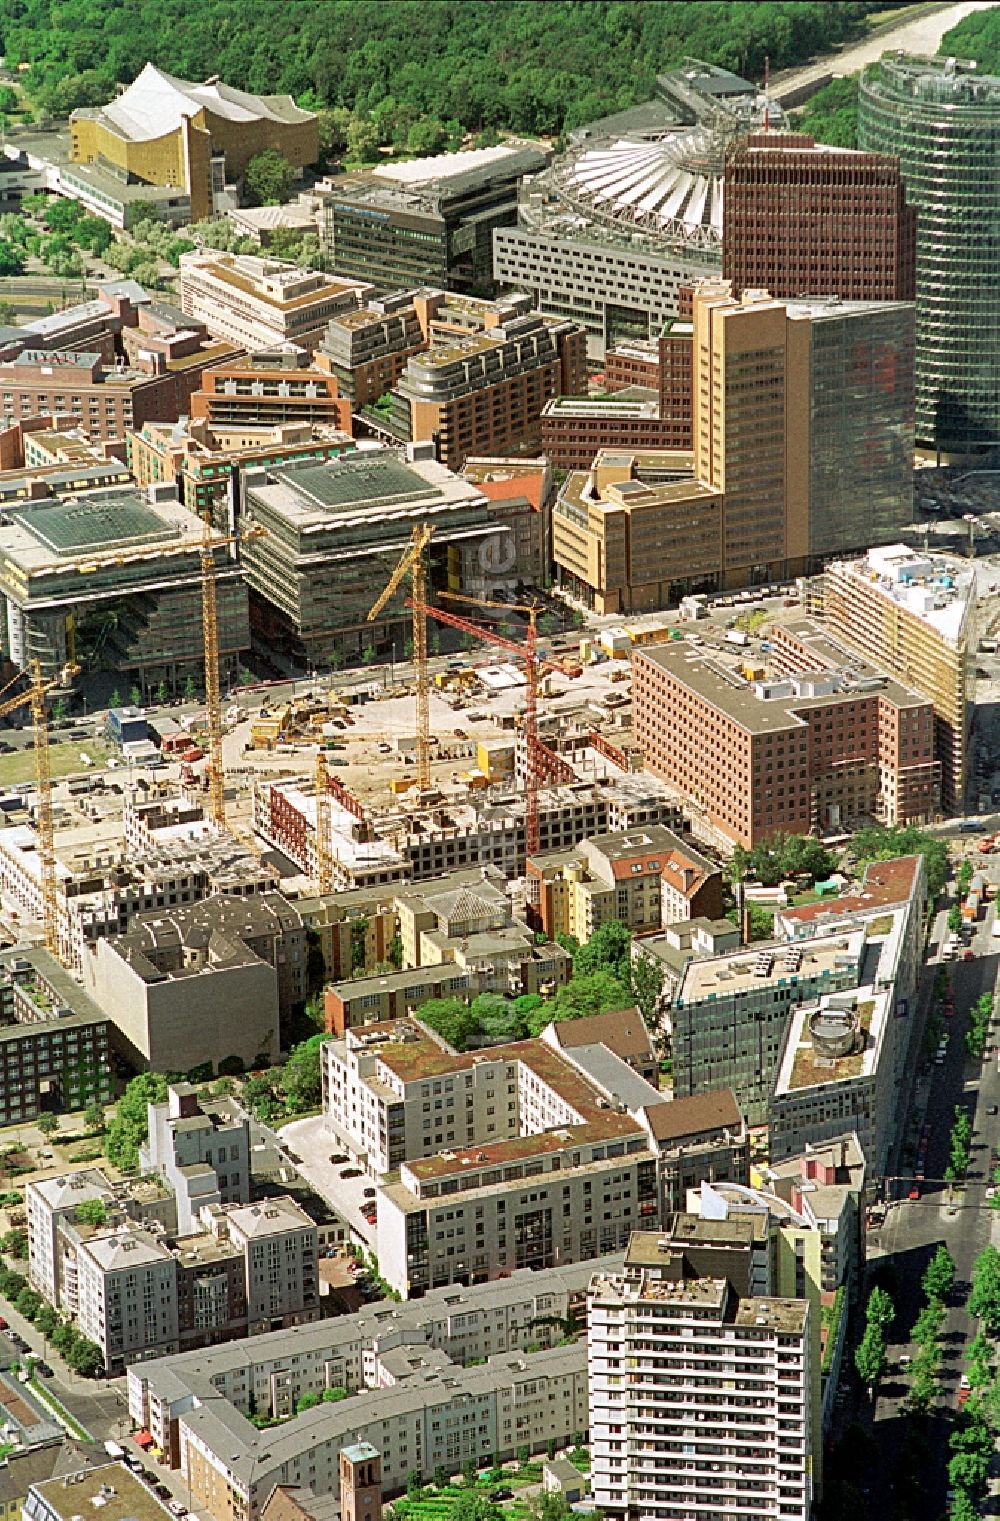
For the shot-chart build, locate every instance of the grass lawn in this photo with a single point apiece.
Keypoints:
(64, 759)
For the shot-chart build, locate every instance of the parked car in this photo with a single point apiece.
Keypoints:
(338, 1157)
(350, 1172)
(162, 1491)
(992, 1109)
(914, 1191)
(369, 1193)
(3, 1324)
(44, 1369)
(177, 1507)
(501, 1494)
(969, 956)
(148, 1478)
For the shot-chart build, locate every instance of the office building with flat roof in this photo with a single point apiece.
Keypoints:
(269, 389)
(429, 221)
(915, 616)
(207, 460)
(824, 741)
(81, 576)
(334, 533)
(367, 349)
(801, 218)
(258, 303)
(667, 1442)
(940, 118)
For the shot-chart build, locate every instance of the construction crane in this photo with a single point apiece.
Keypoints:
(328, 786)
(210, 634)
(542, 765)
(35, 698)
(324, 856)
(413, 563)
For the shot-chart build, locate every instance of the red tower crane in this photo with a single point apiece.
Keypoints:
(542, 765)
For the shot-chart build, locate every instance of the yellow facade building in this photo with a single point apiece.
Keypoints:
(163, 131)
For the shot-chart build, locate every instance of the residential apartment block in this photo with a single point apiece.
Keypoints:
(688, 1430)
(367, 349)
(202, 1151)
(268, 389)
(258, 303)
(804, 219)
(645, 878)
(481, 388)
(515, 1156)
(621, 1030)
(823, 742)
(115, 1258)
(915, 616)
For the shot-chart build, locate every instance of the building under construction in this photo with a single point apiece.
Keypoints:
(419, 843)
(334, 532)
(113, 579)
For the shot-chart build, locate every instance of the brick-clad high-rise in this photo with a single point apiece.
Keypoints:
(804, 219)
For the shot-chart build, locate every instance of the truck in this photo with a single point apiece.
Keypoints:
(737, 636)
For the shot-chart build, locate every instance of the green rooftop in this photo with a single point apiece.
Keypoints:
(97, 523)
(353, 481)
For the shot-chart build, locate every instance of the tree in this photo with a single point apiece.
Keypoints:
(28, 1303)
(334, 1395)
(880, 1311)
(608, 950)
(359, 942)
(162, 693)
(63, 1337)
(362, 141)
(127, 1131)
(300, 1076)
(831, 116)
(11, 258)
(954, 919)
(269, 178)
(307, 1401)
(646, 979)
(869, 1356)
(14, 1244)
(923, 1387)
(92, 1212)
(451, 1018)
(984, 1300)
(47, 1122)
(189, 688)
(332, 129)
(597, 993)
(46, 1320)
(85, 1358)
(498, 1019)
(135, 696)
(93, 1117)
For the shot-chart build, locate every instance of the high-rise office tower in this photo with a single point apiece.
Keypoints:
(942, 120)
(804, 219)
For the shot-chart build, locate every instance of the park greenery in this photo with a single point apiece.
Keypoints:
(831, 115)
(604, 979)
(130, 1126)
(882, 842)
(412, 77)
(780, 857)
(276, 1094)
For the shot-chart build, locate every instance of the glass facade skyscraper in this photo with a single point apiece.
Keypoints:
(942, 119)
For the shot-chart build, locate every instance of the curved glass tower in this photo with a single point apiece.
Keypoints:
(942, 119)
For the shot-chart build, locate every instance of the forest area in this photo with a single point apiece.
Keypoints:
(412, 73)
(832, 114)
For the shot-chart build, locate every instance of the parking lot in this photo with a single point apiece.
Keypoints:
(311, 1146)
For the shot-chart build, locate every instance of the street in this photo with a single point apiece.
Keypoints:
(908, 1463)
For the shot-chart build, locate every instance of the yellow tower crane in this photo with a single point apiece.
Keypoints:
(210, 632)
(324, 856)
(413, 563)
(35, 698)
